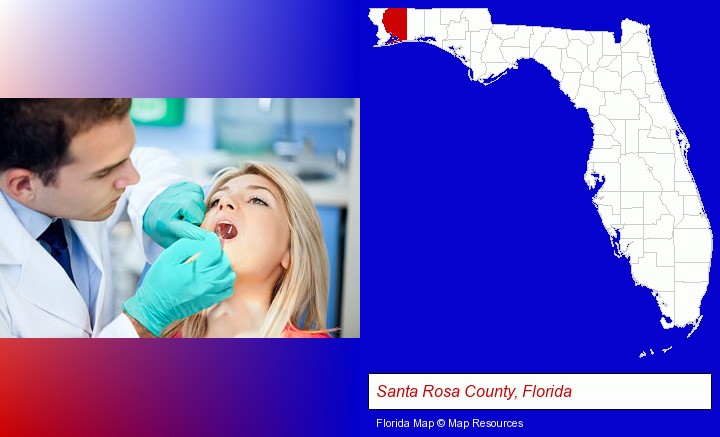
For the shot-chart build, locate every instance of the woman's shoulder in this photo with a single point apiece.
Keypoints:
(293, 332)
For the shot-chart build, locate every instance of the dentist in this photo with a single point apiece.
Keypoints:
(68, 174)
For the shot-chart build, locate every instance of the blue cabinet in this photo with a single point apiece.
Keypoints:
(332, 224)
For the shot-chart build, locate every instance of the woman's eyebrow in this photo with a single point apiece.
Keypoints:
(260, 187)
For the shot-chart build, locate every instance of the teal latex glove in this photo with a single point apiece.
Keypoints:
(175, 213)
(173, 290)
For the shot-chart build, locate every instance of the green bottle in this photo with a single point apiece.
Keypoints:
(158, 112)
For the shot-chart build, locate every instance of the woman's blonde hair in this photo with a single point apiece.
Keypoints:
(301, 293)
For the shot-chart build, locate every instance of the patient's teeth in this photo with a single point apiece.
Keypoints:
(225, 230)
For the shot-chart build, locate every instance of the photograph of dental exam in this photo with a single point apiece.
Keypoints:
(271, 233)
(279, 192)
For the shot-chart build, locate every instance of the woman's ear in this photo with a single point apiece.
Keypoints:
(285, 261)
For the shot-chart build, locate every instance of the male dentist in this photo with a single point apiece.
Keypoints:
(68, 173)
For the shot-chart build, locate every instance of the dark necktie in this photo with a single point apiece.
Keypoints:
(54, 236)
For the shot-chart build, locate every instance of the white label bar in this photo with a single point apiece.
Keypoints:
(542, 391)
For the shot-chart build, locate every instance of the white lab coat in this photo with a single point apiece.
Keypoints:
(37, 299)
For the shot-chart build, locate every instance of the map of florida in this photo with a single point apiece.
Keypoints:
(646, 196)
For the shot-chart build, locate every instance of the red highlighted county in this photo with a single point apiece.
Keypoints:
(395, 22)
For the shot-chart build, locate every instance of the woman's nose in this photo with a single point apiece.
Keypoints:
(226, 203)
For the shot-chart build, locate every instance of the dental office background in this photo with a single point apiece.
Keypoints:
(317, 140)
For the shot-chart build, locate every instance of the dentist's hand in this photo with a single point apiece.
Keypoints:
(175, 213)
(173, 290)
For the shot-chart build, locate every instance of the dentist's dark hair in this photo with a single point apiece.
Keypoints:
(35, 134)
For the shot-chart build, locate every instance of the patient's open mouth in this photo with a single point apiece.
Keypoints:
(226, 230)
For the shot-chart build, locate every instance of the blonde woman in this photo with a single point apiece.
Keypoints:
(271, 233)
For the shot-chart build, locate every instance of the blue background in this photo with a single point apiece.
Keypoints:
(482, 249)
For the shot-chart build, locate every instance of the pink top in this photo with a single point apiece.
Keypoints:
(290, 332)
